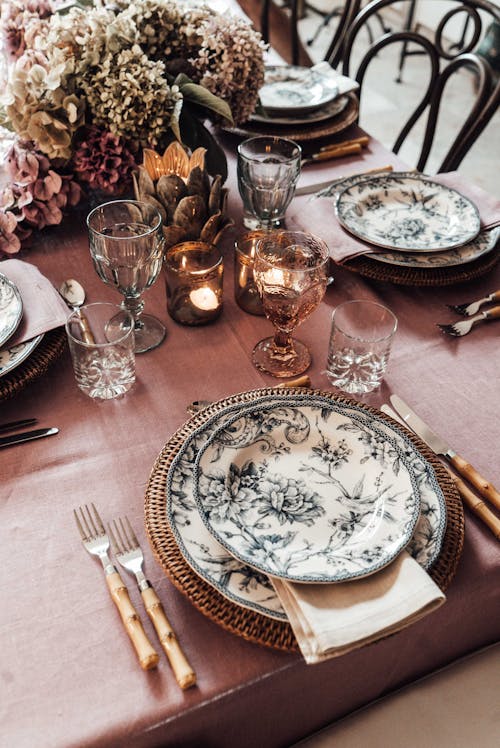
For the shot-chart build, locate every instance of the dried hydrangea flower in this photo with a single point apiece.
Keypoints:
(103, 162)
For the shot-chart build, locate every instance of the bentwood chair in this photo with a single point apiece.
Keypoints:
(442, 58)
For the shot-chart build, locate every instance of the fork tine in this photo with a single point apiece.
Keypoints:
(100, 524)
(132, 533)
(88, 522)
(80, 526)
(122, 538)
(450, 330)
(114, 542)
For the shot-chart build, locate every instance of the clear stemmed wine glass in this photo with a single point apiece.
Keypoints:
(127, 246)
(268, 170)
(291, 273)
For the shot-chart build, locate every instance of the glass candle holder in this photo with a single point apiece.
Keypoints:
(194, 274)
(246, 293)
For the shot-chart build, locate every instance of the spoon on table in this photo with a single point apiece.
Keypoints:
(74, 296)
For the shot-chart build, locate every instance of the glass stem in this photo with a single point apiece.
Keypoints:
(283, 340)
(134, 305)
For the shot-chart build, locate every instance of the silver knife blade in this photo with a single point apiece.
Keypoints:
(27, 436)
(435, 442)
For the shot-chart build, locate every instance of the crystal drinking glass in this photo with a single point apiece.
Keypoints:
(268, 170)
(291, 273)
(126, 246)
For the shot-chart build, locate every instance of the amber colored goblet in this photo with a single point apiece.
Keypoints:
(291, 273)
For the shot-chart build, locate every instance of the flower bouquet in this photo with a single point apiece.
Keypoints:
(91, 85)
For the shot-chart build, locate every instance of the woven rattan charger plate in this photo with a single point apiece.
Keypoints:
(406, 276)
(251, 625)
(303, 133)
(44, 355)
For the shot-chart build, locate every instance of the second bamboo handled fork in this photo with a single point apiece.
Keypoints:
(129, 554)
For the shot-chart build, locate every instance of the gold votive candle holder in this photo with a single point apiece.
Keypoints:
(246, 293)
(194, 274)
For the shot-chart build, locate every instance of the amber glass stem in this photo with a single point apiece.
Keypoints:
(283, 340)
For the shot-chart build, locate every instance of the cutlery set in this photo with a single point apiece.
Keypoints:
(471, 311)
(23, 436)
(402, 413)
(129, 554)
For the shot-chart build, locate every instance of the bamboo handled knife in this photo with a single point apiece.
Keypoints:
(440, 447)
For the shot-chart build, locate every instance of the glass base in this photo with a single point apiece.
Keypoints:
(253, 223)
(281, 362)
(149, 332)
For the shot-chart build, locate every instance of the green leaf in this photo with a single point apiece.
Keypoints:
(200, 96)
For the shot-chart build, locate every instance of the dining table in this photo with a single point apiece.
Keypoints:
(70, 678)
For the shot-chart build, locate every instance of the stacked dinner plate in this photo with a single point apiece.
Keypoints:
(300, 485)
(21, 362)
(303, 103)
(415, 229)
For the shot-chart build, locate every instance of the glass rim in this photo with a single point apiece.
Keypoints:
(369, 302)
(76, 313)
(269, 139)
(316, 238)
(150, 229)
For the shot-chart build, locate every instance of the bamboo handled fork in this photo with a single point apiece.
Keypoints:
(129, 554)
(96, 542)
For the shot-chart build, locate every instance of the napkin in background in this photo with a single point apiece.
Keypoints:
(311, 213)
(43, 307)
(329, 620)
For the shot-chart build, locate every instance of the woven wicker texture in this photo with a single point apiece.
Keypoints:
(37, 363)
(303, 133)
(404, 276)
(249, 624)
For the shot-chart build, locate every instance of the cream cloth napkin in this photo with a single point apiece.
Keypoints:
(329, 620)
(317, 214)
(43, 308)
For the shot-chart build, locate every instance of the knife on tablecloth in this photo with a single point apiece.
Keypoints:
(26, 436)
(440, 447)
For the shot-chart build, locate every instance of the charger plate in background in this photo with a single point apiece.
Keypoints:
(249, 624)
(239, 582)
(302, 133)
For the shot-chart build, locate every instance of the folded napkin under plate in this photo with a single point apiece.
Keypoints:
(43, 308)
(331, 620)
(309, 213)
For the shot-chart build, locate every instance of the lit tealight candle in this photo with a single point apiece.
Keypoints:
(204, 298)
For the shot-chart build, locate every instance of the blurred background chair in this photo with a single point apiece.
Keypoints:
(450, 56)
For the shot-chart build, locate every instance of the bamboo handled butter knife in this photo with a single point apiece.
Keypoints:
(439, 446)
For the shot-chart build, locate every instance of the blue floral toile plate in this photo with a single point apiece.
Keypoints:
(245, 585)
(407, 212)
(484, 242)
(294, 89)
(296, 494)
(11, 308)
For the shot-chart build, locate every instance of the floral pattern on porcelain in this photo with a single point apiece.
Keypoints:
(323, 510)
(406, 211)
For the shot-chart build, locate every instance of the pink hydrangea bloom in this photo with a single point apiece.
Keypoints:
(102, 161)
(36, 197)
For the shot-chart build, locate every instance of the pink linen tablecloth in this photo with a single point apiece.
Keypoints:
(69, 675)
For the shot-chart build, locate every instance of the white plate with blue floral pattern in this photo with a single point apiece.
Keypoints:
(296, 495)
(245, 585)
(484, 242)
(14, 355)
(407, 212)
(11, 308)
(293, 89)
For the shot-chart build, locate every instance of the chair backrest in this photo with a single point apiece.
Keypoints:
(445, 59)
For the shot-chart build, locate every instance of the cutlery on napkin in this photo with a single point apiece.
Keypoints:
(310, 189)
(459, 329)
(476, 505)
(329, 620)
(469, 308)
